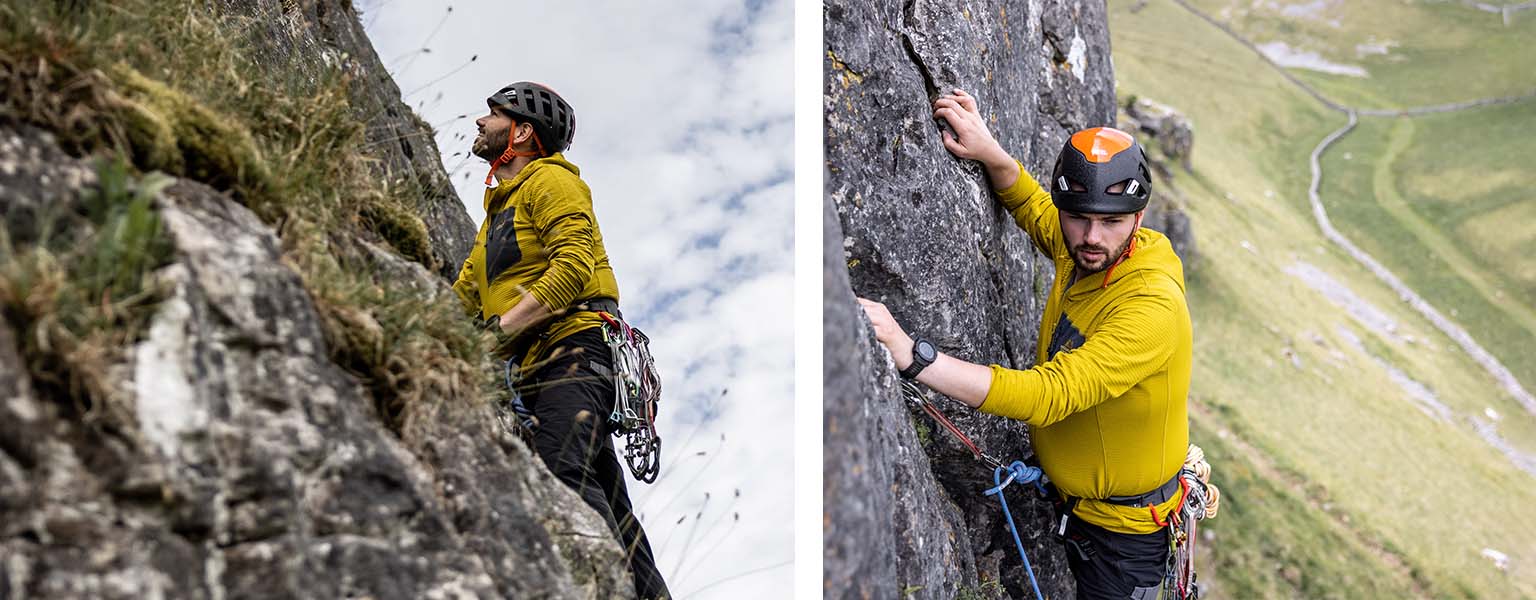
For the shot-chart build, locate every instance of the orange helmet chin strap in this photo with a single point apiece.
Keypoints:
(511, 153)
(1128, 250)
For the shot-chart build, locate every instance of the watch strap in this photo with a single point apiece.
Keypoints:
(918, 362)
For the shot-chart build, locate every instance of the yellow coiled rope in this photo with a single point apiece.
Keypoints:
(1195, 462)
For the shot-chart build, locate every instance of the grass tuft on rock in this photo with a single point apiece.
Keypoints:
(77, 284)
(183, 88)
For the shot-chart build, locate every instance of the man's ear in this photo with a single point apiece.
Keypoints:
(522, 133)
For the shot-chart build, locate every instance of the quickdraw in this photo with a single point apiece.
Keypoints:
(915, 396)
(637, 390)
(518, 418)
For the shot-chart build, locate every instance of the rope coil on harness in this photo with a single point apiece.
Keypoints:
(1201, 499)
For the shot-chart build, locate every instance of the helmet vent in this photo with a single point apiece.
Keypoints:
(1131, 189)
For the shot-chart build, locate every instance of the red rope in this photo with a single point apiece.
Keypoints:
(933, 411)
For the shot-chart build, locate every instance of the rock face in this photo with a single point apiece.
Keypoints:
(913, 227)
(250, 466)
(303, 36)
(1169, 138)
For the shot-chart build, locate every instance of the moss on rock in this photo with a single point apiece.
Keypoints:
(173, 132)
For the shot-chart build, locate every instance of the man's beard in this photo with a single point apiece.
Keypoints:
(489, 146)
(1109, 258)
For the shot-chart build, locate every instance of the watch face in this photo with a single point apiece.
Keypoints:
(926, 351)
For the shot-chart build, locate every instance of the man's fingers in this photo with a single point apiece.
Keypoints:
(952, 145)
(968, 104)
(959, 121)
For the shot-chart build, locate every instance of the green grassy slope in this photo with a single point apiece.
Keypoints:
(1396, 43)
(1453, 234)
(1341, 481)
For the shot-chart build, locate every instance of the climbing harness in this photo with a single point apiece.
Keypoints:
(637, 390)
(1201, 501)
(1017, 472)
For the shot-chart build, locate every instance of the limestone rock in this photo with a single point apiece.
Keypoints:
(1168, 137)
(245, 464)
(1171, 132)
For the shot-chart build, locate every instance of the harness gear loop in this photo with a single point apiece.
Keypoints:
(520, 413)
(1018, 472)
(637, 391)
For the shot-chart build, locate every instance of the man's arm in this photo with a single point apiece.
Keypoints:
(562, 214)
(1130, 346)
(1135, 340)
(958, 379)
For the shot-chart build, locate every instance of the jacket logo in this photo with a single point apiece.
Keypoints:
(501, 251)
(1064, 338)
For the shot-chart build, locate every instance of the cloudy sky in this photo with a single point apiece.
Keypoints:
(684, 132)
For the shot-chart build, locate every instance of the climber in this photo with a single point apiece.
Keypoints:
(538, 273)
(1106, 400)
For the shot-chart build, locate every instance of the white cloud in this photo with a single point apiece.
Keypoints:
(684, 133)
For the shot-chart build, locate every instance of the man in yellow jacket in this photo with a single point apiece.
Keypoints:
(1106, 398)
(538, 271)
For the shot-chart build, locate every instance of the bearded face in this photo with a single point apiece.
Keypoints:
(1092, 258)
(494, 129)
(1096, 241)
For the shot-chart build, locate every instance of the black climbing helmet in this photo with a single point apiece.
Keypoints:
(1092, 161)
(553, 120)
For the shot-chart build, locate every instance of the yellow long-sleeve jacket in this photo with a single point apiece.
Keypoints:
(1106, 401)
(539, 236)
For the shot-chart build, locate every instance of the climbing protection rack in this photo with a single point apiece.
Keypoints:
(1201, 501)
(637, 390)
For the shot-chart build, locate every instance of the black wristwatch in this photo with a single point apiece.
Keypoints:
(923, 354)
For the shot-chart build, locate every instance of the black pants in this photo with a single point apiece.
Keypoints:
(1107, 564)
(572, 401)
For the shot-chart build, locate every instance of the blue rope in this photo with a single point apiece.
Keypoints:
(1021, 473)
